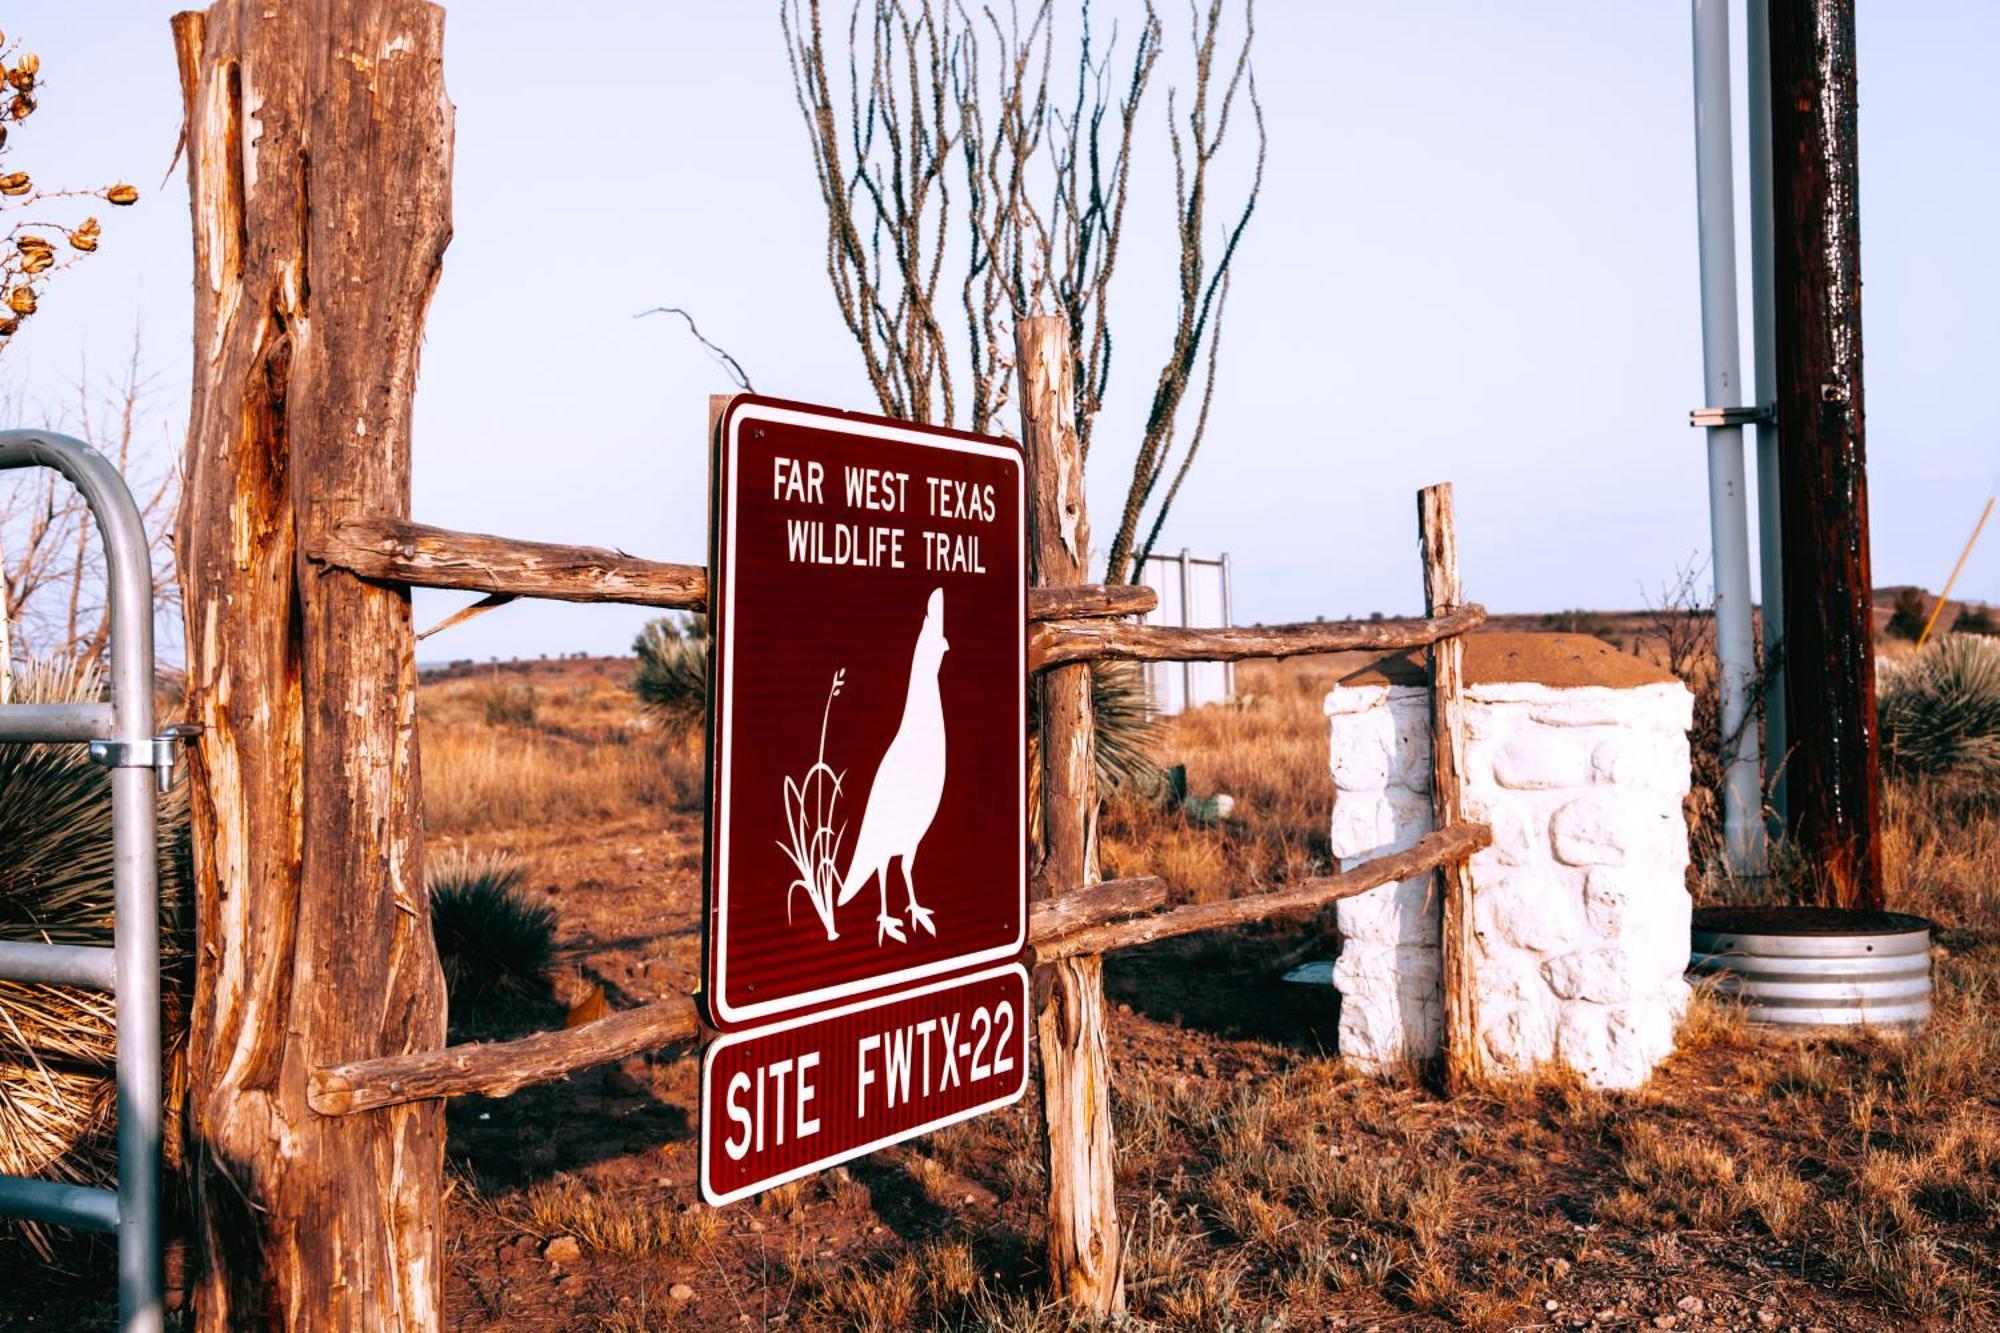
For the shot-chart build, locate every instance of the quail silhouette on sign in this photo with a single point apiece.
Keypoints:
(908, 786)
(902, 801)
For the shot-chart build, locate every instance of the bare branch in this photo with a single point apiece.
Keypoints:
(952, 157)
(737, 374)
(1200, 285)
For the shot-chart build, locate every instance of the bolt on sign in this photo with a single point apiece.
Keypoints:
(867, 821)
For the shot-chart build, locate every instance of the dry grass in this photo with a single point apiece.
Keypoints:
(1269, 752)
(936, 1278)
(628, 1225)
(500, 752)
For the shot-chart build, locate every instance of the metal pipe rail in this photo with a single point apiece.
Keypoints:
(121, 737)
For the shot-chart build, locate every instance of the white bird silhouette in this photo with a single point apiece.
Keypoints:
(909, 784)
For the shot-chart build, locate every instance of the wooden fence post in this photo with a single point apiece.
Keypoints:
(1085, 1263)
(319, 145)
(1464, 1062)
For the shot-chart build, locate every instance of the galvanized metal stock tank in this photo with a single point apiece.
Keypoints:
(1811, 968)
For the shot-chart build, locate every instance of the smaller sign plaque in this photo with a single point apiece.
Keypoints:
(798, 1096)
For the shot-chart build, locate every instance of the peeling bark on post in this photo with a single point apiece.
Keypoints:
(319, 143)
(1464, 1058)
(1085, 1263)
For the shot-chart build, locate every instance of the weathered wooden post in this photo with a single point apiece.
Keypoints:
(1832, 775)
(1084, 1244)
(319, 146)
(1464, 1057)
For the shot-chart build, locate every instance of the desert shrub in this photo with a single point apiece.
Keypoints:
(492, 943)
(1940, 710)
(57, 1043)
(1975, 620)
(1906, 620)
(1578, 621)
(672, 679)
(504, 705)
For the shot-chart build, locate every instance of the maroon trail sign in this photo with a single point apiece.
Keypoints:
(783, 1101)
(867, 820)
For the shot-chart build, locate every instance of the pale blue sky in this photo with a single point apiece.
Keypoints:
(1474, 260)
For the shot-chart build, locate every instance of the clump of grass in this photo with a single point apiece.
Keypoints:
(931, 1179)
(938, 1277)
(505, 705)
(1687, 1179)
(672, 676)
(492, 942)
(1940, 709)
(629, 1225)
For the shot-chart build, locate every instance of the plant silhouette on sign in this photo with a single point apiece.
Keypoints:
(812, 841)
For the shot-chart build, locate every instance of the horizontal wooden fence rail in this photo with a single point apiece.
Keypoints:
(392, 550)
(1097, 919)
(498, 1068)
(1428, 853)
(1059, 642)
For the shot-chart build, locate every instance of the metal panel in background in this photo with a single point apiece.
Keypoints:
(1194, 593)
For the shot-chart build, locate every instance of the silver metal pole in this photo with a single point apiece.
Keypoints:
(1228, 621)
(59, 1203)
(59, 964)
(57, 722)
(1742, 803)
(1187, 619)
(135, 932)
(1764, 356)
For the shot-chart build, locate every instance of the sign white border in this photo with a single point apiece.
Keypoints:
(846, 425)
(729, 1039)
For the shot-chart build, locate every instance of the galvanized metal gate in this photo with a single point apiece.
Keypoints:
(121, 736)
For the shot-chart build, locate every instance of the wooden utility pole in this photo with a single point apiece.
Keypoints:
(319, 144)
(1437, 533)
(1084, 1244)
(1833, 772)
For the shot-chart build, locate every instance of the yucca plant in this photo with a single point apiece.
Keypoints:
(1126, 726)
(494, 945)
(672, 679)
(1940, 709)
(58, 1044)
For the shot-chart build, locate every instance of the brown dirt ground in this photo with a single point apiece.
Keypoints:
(1264, 1186)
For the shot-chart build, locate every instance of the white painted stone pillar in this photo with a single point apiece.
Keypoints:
(1577, 756)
